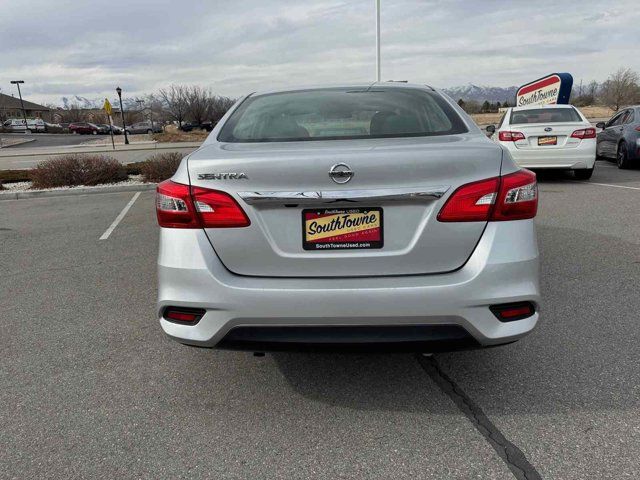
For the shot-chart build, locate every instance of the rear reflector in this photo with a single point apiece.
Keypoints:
(510, 136)
(584, 133)
(183, 314)
(181, 206)
(509, 312)
(512, 197)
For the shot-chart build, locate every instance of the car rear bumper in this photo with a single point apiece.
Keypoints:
(583, 156)
(451, 310)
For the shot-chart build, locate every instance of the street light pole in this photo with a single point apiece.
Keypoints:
(124, 126)
(377, 40)
(24, 112)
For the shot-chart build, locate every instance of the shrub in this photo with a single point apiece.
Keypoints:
(160, 166)
(71, 170)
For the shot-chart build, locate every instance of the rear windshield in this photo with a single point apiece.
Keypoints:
(545, 115)
(341, 113)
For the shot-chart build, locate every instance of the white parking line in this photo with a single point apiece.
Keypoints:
(119, 218)
(608, 185)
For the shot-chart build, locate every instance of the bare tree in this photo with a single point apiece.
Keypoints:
(175, 102)
(621, 88)
(199, 101)
(72, 113)
(218, 107)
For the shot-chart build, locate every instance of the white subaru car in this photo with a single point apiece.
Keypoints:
(549, 136)
(353, 217)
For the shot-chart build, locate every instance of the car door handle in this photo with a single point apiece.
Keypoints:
(329, 196)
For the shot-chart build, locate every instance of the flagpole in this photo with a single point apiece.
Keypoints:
(377, 40)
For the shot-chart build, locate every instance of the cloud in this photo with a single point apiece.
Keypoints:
(65, 48)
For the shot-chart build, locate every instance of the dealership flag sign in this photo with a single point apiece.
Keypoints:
(552, 89)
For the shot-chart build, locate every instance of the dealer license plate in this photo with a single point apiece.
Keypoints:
(340, 229)
(547, 140)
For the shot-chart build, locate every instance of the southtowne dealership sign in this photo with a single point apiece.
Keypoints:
(552, 89)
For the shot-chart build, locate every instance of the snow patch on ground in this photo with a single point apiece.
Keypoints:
(24, 186)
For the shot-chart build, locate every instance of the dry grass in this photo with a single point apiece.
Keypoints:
(486, 118)
(160, 166)
(596, 111)
(180, 136)
(72, 170)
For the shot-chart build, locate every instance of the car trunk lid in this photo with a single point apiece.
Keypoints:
(403, 182)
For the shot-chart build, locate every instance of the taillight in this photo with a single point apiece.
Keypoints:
(510, 136)
(638, 129)
(584, 133)
(518, 197)
(174, 207)
(218, 209)
(511, 197)
(181, 206)
(471, 203)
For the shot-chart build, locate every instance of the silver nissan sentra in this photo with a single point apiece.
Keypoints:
(348, 218)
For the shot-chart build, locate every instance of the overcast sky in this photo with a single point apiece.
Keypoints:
(87, 48)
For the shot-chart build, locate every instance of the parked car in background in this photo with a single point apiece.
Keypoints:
(549, 136)
(144, 127)
(375, 217)
(84, 128)
(17, 125)
(188, 127)
(620, 138)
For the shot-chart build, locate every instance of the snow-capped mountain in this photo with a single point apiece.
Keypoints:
(92, 103)
(480, 94)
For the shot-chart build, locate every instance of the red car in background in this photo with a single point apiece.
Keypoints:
(84, 128)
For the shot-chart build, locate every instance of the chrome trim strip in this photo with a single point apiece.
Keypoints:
(328, 196)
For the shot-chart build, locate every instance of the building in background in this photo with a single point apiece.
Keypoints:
(10, 108)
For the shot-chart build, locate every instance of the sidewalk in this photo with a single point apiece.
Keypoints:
(135, 152)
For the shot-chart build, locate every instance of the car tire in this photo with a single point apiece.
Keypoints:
(150, 132)
(622, 157)
(94, 132)
(583, 173)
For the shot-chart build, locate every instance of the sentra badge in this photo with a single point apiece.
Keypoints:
(222, 176)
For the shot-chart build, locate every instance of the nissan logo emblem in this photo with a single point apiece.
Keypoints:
(341, 173)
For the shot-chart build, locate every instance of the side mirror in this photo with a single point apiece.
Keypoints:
(491, 129)
(601, 125)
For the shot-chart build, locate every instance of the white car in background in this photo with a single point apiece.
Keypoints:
(18, 125)
(549, 136)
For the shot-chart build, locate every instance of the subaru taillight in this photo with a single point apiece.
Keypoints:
(181, 206)
(505, 136)
(511, 197)
(584, 133)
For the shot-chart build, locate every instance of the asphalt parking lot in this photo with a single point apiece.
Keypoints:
(47, 139)
(90, 387)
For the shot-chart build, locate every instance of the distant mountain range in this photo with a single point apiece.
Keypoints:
(480, 94)
(91, 103)
(465, 92)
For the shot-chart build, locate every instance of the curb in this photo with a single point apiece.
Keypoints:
(103, 149)
(25, 140)
(75, 191)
